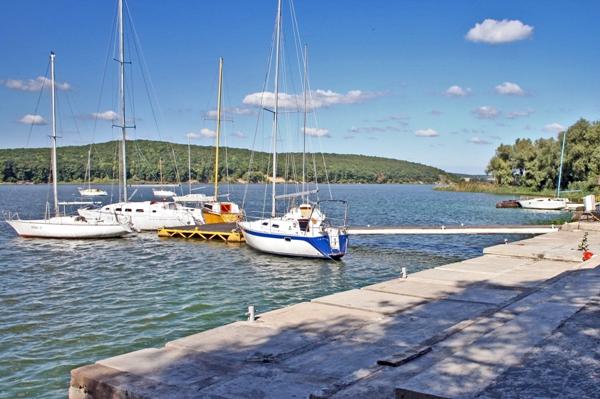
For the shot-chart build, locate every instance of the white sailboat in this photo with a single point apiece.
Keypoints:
(304, 231)
(547, 203)
(162, 192)
(63, 226)
(144, 215)
(90, 191)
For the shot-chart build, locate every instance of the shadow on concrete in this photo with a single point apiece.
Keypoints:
(345, 345)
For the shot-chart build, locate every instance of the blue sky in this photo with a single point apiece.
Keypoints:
(437, 82)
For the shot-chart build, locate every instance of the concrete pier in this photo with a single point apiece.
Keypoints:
(523, 320)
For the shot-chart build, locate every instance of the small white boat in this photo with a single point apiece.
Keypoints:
(65, 226)
(92, 192)
(160, 193)
(89, 191)
(193, 198)
(68, 227)
(544, 203)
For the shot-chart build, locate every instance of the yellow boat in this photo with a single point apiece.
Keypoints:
(221, 212)
(216, 211)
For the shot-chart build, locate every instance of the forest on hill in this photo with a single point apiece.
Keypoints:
(144, 158)
(535, 164)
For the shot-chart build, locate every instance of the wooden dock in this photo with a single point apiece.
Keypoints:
(226, 232)
(523, 320)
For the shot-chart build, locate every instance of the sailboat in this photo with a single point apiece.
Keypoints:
(161, 192)
(144, 215)
(89, 191)
(63, 226)
(304, 231)
(197, 198)
(546, 203)
(216, 211)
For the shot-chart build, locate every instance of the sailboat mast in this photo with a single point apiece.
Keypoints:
(122, 98)
(218, 133)
(304, 130)
(189, 165)
(54, 170)
(562, 154)
(275, 108)
(88, 172)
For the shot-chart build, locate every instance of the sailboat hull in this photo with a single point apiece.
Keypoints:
(307, 246)
(212, 217)
(66, 227)
(146, 215)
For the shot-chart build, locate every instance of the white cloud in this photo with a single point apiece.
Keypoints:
(554, 128)
(519, 114)
(105, 116)
(316, 132)
(457, 91)
(231, 111)
(376, 129)
(510, 89)
(192, 135)
(426, 133)
(34, 84)
(492, 31)
(31, 119)
(317, 99)
(207, 133)
(486, 112)
(478, 140)
(239, 134)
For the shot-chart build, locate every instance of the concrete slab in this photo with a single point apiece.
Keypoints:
(473, 293)
(486, 264)
(472, 368)
(318, 319)
(172, 366)
(372, 301)
(267, 382)
(558, 246)
(418, 325)
(244, 340)
(448, 277)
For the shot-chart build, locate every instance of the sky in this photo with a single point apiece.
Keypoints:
(437, 82)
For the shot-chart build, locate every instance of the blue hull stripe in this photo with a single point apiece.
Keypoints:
(320, 243)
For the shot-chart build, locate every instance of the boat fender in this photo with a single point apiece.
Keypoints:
(313, 221)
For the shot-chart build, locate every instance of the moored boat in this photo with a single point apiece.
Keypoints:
(63, 226)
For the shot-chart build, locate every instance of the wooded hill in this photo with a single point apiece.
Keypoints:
(33, 165)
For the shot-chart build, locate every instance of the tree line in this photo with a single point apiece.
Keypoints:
(144, 157)
(535, 164)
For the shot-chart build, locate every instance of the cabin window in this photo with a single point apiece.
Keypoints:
(139, 210)
(265, 223)
(288, 239)
(118, 209)
(106, 209)
(154, 211)
(127, 209)
(275, 226)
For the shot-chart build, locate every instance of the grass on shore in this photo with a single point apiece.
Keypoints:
(484, 187)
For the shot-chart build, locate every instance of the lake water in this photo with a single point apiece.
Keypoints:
(64, 304)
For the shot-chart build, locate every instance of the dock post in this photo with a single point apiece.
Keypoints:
(251, 316)
(404, 272)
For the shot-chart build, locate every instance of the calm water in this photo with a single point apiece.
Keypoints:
(64, 304)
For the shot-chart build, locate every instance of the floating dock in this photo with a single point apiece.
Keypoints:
(523, 320)
(417, 230)
(227, 232)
